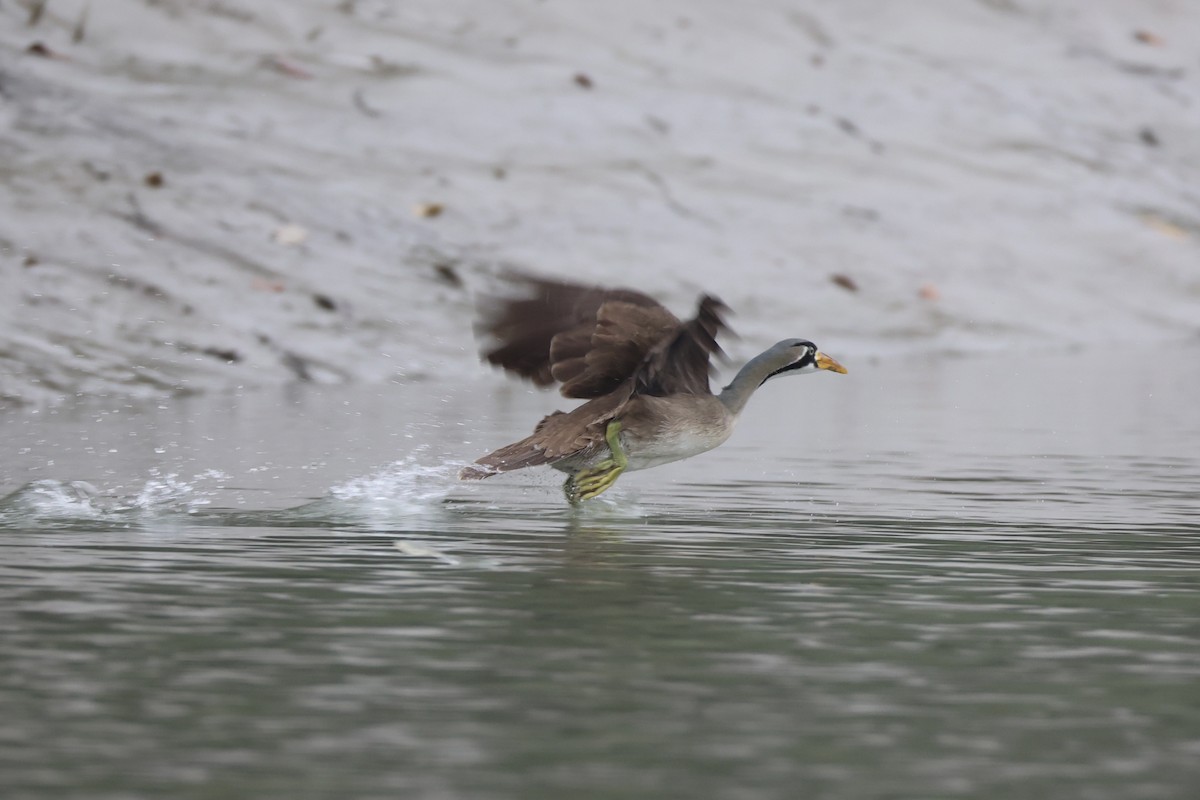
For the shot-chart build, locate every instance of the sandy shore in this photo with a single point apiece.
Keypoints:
(206, 195)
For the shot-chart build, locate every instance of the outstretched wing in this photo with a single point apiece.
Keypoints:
(681, 363)
(587, 338)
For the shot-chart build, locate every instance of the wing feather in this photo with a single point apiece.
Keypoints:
(681, 363)
(587, 338)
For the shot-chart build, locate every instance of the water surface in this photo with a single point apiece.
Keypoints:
(930, 578)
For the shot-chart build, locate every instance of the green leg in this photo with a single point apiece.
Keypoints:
(571, 490)
(594, 481)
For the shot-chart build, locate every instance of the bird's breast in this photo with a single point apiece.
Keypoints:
(680, 431)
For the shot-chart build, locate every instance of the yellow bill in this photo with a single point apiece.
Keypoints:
(825, 362)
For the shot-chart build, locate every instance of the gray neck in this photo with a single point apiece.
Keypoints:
(749, 378)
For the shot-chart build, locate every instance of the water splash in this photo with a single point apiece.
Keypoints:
(55, 502)
(400, 490)
(52, 500)
(170, 493)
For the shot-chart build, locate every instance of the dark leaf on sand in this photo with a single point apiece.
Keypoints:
(227, 355)
(447, 274)
(845, 281)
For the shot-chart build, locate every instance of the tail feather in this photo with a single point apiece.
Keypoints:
(517, 455)
(476, 472)
(558, 436)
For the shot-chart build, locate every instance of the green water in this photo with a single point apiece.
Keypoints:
(959, 578)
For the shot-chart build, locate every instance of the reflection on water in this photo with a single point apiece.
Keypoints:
(929, 591)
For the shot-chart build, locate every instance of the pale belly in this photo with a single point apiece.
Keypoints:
(675, 447)
(696, 425)
(671, 445)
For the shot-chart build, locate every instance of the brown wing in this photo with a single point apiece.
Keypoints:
(681, 364)
(587, 338)
(558, 436)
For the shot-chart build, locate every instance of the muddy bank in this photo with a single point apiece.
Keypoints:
(207, 195)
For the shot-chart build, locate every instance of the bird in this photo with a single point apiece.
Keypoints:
(642, 371)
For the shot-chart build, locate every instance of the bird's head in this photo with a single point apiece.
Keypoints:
(798, 356)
